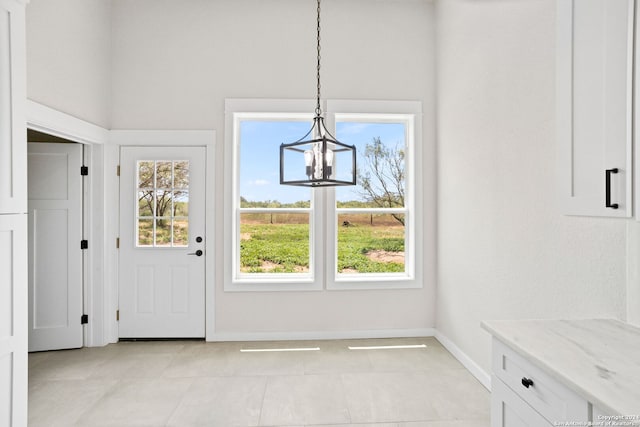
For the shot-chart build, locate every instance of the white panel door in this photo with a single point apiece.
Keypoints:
(13, 321)
(162, 242)
(13, 128)
(55, 257)
(594, 105)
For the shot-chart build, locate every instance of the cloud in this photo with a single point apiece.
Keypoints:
(260, 182)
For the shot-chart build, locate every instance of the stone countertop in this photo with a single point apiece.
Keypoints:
(599, 359)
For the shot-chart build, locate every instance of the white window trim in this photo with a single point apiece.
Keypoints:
(323, 274)
(380, 112)
(266, 109)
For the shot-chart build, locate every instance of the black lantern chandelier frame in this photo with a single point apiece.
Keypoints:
(319, 148)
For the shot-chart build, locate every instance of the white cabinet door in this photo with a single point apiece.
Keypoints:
(55, 257)
(13, 320)
(594, 105)
(509, 410)
(13, 128)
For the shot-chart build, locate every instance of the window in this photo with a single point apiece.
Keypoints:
(287, 237)
(273, 220)
(372, 216)
(163, 203)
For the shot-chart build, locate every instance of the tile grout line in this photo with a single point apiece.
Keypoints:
(264, 394)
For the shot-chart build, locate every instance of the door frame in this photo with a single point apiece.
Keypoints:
(193, 138)
(47, 120)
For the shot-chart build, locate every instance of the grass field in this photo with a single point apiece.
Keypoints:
(279, 243)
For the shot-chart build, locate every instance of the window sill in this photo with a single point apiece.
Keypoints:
(374, 282)
(273, 284)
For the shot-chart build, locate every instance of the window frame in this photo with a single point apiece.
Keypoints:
(154, 217)
(238, 110)
(322, 213)
(409, 113)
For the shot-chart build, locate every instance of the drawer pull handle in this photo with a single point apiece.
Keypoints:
(607, 201)
(527, 382)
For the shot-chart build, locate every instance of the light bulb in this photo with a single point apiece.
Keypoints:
(308, 161)
(328, 157)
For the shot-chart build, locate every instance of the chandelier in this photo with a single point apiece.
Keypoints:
(317, 159)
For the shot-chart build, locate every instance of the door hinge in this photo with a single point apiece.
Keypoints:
(84, 244)
(118, 170)
(84, 170)
(117, 315)
(117, 243)
(84, 319)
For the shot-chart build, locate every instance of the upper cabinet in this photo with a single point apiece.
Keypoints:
(594, 90)
(13, 128)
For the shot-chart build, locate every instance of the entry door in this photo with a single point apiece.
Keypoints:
(55, 257)
(162, 242)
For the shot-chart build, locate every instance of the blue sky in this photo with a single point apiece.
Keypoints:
(260, 150)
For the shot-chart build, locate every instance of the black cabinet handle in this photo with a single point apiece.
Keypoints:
(607, 179)
(196, 253)
(527, 382)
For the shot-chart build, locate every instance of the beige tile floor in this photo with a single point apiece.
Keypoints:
(192, 383)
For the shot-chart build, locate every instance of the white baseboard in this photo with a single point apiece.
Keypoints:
(475, 369)
(320, 335)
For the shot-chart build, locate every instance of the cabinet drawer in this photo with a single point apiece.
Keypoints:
(509, 410)
(552, 400)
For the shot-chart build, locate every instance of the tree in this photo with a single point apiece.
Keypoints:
(381, 176)
(165, 190)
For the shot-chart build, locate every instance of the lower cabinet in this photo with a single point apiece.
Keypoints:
(524, 395)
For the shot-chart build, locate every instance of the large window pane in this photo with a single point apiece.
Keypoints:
(381, 167)
(259, 175)
(274, 243)
(371, 243)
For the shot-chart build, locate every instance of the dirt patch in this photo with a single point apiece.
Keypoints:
(245, 236)
(268, 266)
(386, 256)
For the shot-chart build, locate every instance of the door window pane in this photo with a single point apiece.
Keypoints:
(145, 203)
(145, 232)
(163, 175)
(180, 232)
(163, 232)
(163, 203)
(146, 174)
(181, 174)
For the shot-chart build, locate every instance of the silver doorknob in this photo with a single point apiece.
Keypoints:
(196, 253)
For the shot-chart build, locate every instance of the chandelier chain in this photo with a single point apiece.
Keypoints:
(318, 109)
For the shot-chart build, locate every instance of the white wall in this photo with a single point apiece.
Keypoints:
(175, 62)
(68, 57)
(505, 250)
